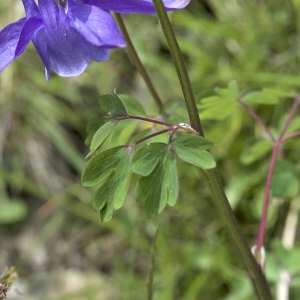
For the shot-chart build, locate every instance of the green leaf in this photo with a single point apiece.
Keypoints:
(113, 191)
(112, 107)
(147, 157)
(285, 181)
(191, 141)
(256, 151)
(132, 105)
(12, 211)
(122, 181)
(267, 96)
(149, 190)
(101, 135)
(100, 166)
(192, 149)
(222, 105)
(170, 184)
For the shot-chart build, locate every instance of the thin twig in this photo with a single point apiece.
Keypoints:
(257, 119)
(135, 59)
(150, 136)
(145, 119)
(260, 240)
(291, 135)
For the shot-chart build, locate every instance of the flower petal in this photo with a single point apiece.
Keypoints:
(136, 6)
(68, 53)
(30, 27)
(30, 7)
(95, 25)
(51, 13)
(9, 38)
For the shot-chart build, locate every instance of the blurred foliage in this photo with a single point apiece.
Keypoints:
(48, 228)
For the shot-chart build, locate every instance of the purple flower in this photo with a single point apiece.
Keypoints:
(67, 37)
(69, 34)
(136, 6)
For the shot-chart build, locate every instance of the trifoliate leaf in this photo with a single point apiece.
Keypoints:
(191, 141)
(147, 158)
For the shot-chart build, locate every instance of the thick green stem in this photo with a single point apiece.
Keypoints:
(135, 59)
(219, 198)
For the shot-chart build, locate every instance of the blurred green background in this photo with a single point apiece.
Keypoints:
(48, 229)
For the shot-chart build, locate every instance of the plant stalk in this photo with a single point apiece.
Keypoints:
(219, 198)
(136, 61)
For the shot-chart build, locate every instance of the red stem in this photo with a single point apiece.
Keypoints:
(257, 119)
(260, 240)
(291, 135)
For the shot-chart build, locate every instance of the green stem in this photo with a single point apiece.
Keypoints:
(219, 198)
(182, 73)
(135, 59)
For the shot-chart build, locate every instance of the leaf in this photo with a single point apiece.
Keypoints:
(112, 193)
(222, 105)
(101, 135)
(100, 166)
(149, 190)
(284, 182)
(170, 184)
(12, 211)
(256, 151)
(133, 107)
(147, 157)
(192, 149)
(267, 96)
(192, 141)
(112, 107)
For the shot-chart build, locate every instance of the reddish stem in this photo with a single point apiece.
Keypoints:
(257, 119)
(291, 135)
(145, 119)
(150, 136)
(267, 194)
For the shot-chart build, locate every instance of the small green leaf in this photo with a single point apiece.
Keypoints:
(113, 191)
(256, 151)
(192, 149)
(192, 141)
(285, 181)
(101, 135)
(222, 105)
(147, 157)
(267, 96)
(100, 166)
(122, 181)
(133, 107)
(149, 190)
(12, 211)
(111, 106)
(170, 184)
